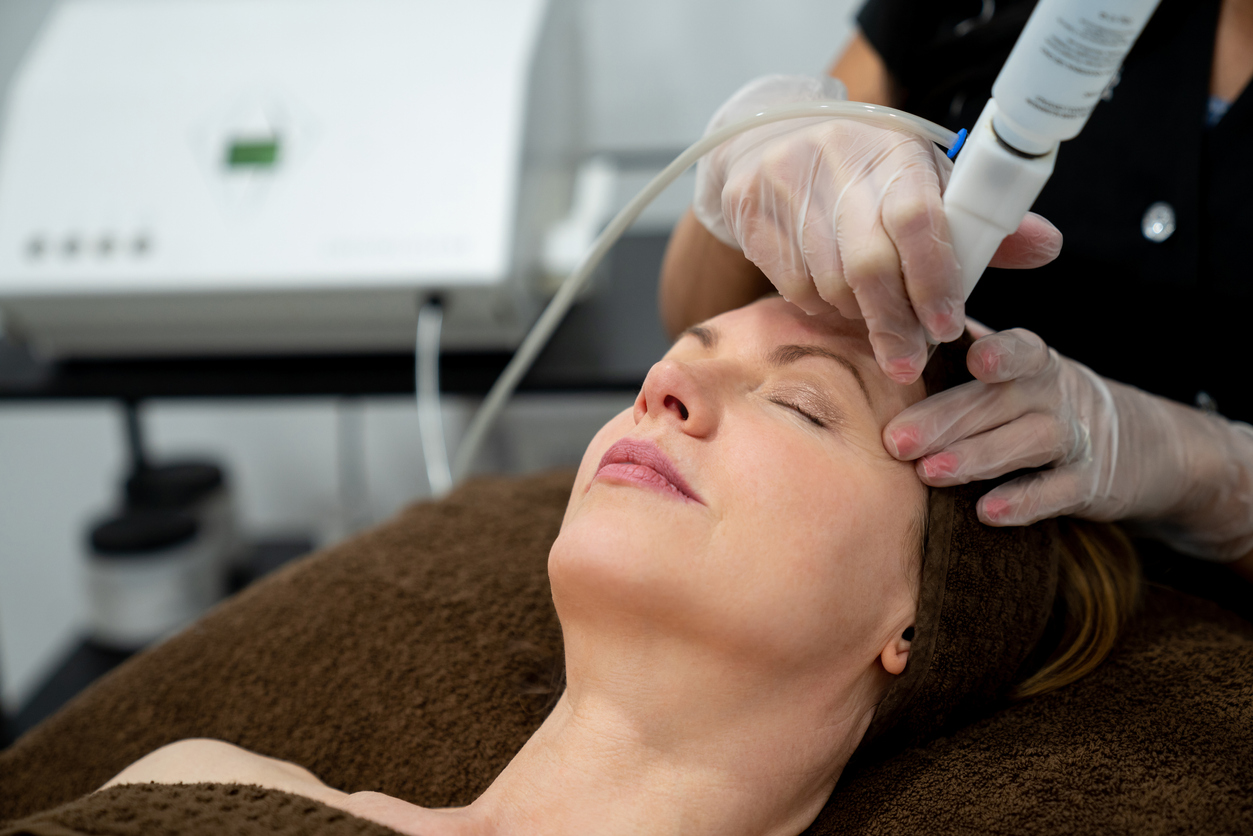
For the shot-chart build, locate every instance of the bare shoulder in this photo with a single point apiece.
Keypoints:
(203, 760)
(399, 815)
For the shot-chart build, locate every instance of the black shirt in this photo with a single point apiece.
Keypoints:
(1170, 317)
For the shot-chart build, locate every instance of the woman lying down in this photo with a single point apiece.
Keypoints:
(744, 576)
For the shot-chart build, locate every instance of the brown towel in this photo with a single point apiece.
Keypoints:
(148, 809)
(984, 601)
(414, 660)
(417, 658)
(1157, 740)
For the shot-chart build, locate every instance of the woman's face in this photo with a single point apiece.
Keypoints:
(746, 503)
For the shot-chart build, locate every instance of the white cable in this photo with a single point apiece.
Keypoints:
(426, 385)
(564, 298)
(353, 477)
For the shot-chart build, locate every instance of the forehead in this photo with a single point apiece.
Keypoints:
(774, 321)
(758, 328)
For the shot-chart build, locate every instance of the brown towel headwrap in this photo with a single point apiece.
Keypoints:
(985, 598)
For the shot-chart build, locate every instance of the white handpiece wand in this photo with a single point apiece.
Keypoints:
(1061, 64)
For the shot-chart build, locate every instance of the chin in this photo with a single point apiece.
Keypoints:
(621, 550)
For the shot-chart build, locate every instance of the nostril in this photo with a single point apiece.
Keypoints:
(671, 402)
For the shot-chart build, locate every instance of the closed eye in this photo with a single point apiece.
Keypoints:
(797, 408)
(808, 401)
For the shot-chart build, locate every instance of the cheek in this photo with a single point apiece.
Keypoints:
(798, 561)
(616, 428)
(816, 551)
(811, 495)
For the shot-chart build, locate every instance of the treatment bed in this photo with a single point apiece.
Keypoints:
(417, 658)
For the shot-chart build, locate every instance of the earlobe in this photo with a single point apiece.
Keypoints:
(896, 654)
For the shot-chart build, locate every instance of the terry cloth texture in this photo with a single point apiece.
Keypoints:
(414, 660)
(984, 601)
(149, 809)
(417, 658)
(1158, 740)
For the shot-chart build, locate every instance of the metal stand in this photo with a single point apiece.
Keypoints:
(134, 435)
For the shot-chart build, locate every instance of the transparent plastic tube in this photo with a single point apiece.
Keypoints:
(565, 296)
(426, 385)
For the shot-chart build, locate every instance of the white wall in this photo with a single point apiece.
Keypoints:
(56, 467)
(656, 70)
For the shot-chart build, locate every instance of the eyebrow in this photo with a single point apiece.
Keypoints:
(785, 355)
(708, 336)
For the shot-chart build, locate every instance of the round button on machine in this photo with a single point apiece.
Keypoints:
(1158, 222)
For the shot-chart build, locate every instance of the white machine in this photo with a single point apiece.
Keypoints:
(200, 176)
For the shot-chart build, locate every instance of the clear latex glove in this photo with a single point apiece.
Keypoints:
(840, 213)
(1112, 451)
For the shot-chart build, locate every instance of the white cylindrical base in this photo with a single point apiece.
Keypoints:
(135, 601)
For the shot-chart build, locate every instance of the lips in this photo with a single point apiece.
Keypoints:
(642, 463)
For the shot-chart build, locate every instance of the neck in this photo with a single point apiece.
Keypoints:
(1233, 50)
(751, 761)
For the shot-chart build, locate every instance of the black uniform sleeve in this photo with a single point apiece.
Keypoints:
(902, 31)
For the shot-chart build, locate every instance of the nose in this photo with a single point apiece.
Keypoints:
(675, 392)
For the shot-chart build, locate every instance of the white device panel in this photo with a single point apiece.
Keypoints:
(182, 176)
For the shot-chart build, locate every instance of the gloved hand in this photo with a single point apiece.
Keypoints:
(841, 213)
(1113, 451)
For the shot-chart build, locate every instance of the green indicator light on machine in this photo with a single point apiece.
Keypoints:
(252, 153)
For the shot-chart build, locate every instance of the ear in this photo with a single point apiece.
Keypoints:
(896, 653)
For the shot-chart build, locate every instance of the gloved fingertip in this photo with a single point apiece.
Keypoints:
(940, 466)
(1052, 247)
(1044, 224)
(946, 321)
(1045, 238)
(907, 378)
(984, 361)
(957, 326)
(810, 308)
(995, 511)
(945, 329)
(901, 442)
(904, 370)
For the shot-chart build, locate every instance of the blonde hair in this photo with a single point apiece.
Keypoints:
(1098, 590)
